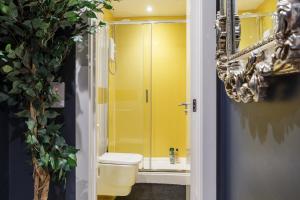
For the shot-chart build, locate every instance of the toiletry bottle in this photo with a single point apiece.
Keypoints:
(177, 160)
(172, 155)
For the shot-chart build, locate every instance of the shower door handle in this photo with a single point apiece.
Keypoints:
(184, 104)
(147, 96)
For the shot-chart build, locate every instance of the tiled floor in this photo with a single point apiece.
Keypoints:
(156, 192)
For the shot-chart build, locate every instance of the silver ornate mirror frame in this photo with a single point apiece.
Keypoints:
(245, 72)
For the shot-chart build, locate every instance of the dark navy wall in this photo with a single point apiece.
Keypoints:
(15, 170)
(4, 154)
(259, 145)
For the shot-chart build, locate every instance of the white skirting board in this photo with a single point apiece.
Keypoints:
(173, 178)
(163, 163)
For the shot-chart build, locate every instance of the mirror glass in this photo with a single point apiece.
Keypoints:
(257, 20)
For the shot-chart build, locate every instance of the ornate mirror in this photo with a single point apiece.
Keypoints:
(256, 40)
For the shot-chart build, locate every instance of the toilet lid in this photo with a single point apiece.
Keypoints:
(120, 158)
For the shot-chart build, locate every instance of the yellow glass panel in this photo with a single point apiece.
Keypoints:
(127, 119)
(152, 59)
(169, 120)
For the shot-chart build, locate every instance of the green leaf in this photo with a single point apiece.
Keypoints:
(30, 125)
(45, 159)
(40, 33)
(107, 5)
(51, 114)
(60, 141)
(4, 9)
(46, 139)
(23, 114)
(8, 48)
(10, 53)
(13, 11)
(52, 163)
(72, 2)
(60, 174)
(91, 14)
(6, 69)
(42, 151)
(53, 128)
(102, 24)
(62, 163)
(42, 132)
(72, 161)
(27, 23)
(15, 89)
(31, 139)
(71, 16)
(39, 86)
(43, 120)
(19, 51)
(72, 156)
(17, 64)
(31, 4)
(39, 23)
(16, 84)
(26, 59)
(30, 92)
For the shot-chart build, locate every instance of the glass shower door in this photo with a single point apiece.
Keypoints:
(129, 92)
(170, 102)
(148, 103)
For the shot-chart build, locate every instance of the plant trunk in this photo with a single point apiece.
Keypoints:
(41, 182)
(41, 176)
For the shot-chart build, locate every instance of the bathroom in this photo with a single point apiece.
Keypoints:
(141, 99)
(170, 100)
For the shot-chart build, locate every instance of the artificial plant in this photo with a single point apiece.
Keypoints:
(35, 38)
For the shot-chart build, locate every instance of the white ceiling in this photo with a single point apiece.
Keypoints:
(249, 4)
(137, 8)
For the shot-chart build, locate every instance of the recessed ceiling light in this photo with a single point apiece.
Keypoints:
(149, 9)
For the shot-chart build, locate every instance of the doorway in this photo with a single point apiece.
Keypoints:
(201, 51)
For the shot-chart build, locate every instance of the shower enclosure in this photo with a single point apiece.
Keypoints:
(144, 93)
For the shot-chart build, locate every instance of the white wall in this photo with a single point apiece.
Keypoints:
(102, 82)
(82, 120)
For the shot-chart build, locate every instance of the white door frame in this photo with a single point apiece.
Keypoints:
(201, 20)
(203, 81)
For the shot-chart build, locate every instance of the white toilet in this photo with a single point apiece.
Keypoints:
(117, 173)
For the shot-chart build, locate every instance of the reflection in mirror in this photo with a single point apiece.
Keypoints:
(257, 20)
(222, 6)
(269, 46)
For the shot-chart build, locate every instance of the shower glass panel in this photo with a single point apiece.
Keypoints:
(128, 93)
(169, 96)
(148, 111)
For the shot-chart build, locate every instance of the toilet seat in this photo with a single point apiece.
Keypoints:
(120, 159)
